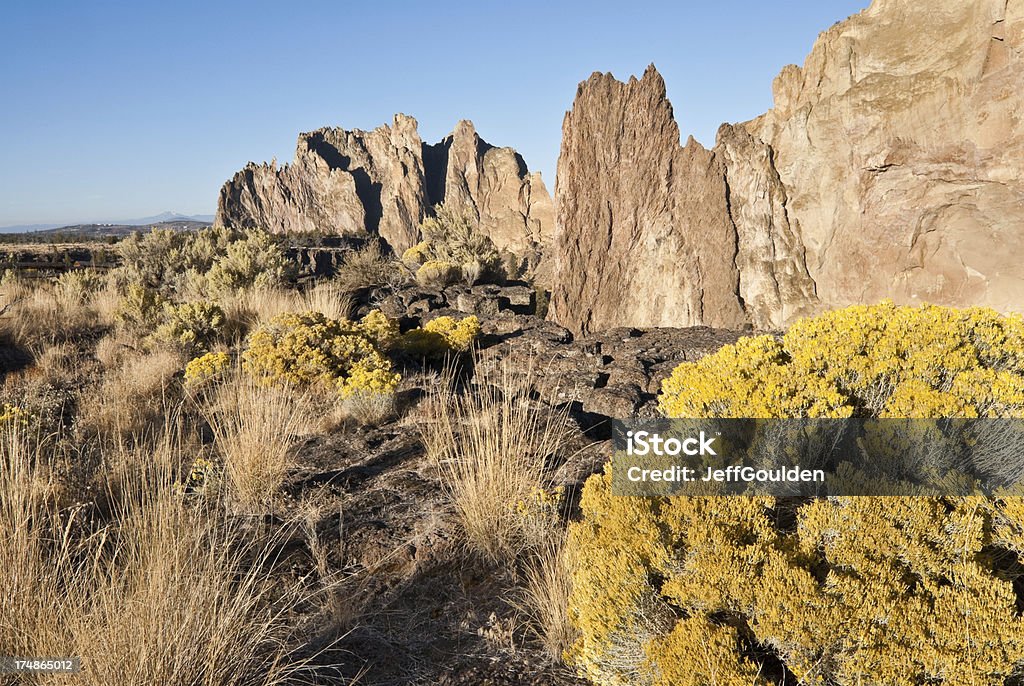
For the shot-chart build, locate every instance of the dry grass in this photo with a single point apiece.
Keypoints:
(544, 597)
(255, 426)
(329, 298)
(249, 307)
(490, 446)
(369, 267)
(159, 594)
(42, 313)
(133, 399)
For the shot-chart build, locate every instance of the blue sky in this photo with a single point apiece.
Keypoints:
(123, 109)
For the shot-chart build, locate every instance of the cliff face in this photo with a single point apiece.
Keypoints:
(652, 233)
(889, 167)
(383, 182)
(899, 143)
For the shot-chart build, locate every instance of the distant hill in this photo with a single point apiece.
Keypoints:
(169, 218)
(107, 230)
(94, 232)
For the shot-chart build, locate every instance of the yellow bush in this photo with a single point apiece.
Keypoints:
(193, 325)
(12, 416)
(844, 590)
(437, 273)
(311, 349)
(206, 367)
(441, 336)
(879, 360)
(416, 255)
(861, 590)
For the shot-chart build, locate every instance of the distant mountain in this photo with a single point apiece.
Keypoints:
(162, 218)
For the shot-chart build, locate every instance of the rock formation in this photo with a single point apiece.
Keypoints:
(384, 182)
(650, 231)
(891, 166)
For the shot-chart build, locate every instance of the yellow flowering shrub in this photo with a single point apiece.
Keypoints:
(867, 361)
(194, 326)
(206, 367)
(437, 273)
(13, 416)
(309, 349)
(839, 591)
(441, 336)
(204, 475)
(415, 256)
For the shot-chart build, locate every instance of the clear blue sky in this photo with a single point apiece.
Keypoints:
(116, 110)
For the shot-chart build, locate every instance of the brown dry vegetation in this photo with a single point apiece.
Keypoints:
(150, 521)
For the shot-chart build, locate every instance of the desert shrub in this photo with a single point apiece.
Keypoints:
(256, 260)
(214, 260)
(453, 248)
(140, 310)
(866, 361)
(691, 590)
(194, 326)
(879, 590)
(438, 274)
(151, 258)
(11, 415)
(309, 349)
(76, 288)
(206, 367)
(369, 267)
(441, 336)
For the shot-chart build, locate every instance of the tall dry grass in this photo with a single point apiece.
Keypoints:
(133, 399)
(158, 594)
(490, 444)
(249, 307)
(255, 427)
(543, 598)
(38, 313)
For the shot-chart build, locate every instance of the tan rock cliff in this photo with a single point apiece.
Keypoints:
(383, 182)
(890, 166)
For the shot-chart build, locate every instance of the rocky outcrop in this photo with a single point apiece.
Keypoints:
(512, 205)
(900, 145)
(384, 182)
(644, 235)
(891, 166)
(652, 233)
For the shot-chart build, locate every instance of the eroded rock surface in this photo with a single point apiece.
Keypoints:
(384, 182)
(899, 143)
(652, 233)
(890, 166)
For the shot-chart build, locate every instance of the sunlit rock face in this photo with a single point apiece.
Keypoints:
(384, 182)
(889, 167)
